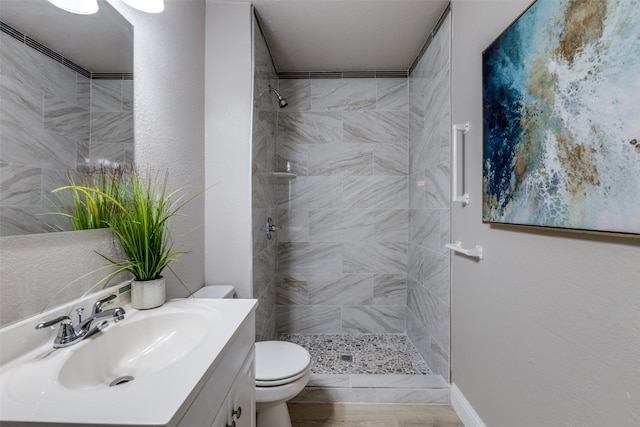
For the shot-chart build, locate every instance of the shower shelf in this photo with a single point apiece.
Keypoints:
(476, 252)
(287, 175)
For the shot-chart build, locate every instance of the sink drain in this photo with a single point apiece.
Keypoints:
(121, 380)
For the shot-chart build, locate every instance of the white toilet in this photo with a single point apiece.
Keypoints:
(282, 370)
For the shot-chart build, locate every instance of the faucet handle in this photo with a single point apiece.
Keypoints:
(66, 332)
(97, 307)
(62, 319)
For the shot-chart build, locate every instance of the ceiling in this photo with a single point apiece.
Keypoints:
(303, 35)
(102, 42)
(347, 35)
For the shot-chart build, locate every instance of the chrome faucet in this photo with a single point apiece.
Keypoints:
(69, 334)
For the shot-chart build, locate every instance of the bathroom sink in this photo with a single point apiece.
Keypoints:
(164, 353)
(130, 350)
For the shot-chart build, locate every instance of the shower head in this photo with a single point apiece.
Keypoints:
(281, 101)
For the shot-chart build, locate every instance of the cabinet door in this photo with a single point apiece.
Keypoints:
(242, 396)
(222, 419)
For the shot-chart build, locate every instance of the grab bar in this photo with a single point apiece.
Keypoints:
(476, 252)
(464, 198)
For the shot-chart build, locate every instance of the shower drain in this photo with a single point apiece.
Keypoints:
(346, 358)
(121, 380)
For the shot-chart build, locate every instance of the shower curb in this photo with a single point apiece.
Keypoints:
(433, 396)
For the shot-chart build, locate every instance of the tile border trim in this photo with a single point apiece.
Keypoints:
(34, 44)
(362, 74)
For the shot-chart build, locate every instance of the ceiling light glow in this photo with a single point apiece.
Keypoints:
(149, 6)
(80, 7)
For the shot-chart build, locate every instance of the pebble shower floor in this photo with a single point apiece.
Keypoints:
(376, 354)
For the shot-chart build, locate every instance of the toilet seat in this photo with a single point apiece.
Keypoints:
(262, 383)
(280, 362)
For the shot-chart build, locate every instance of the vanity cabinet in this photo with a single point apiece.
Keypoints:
(227, 398)
(238, 409)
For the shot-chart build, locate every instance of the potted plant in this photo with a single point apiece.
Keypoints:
(141, 222)
(84, 206)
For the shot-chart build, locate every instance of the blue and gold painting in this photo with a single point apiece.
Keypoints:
(561, 118)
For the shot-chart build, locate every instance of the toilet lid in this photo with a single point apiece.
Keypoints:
(276, 360)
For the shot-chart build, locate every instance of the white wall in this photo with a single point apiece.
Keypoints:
(545, 329)
(228, 90)
(169, 114)
(169, 132)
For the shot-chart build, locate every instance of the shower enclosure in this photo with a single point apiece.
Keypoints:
(355, 171)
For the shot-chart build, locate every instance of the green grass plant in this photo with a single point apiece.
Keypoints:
(140, 210)
(92, 197)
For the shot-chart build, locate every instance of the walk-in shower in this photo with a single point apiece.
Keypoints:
(355, 172)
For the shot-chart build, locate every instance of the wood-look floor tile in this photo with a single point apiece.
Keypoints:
(372, 415)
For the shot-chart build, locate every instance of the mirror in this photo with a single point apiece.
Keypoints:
(66, 84)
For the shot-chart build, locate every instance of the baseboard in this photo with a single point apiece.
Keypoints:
(463, 408)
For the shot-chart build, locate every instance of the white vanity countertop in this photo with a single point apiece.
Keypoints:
(30, 384)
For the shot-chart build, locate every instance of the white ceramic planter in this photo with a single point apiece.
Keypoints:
(148, 294)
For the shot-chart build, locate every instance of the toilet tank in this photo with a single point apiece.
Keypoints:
(215, 291)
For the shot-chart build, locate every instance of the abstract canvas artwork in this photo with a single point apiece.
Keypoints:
(561, 118)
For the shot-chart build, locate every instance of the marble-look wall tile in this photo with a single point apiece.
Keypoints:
(37, 70)
(388, 192)
(341, 159)
(294, 257)
(294, 225)
(18, 220)
(341, 289)
(390, 289)
(376, 126)
(309, 319)
(373, 319)
(107, 153)
(391, 159)
(65, 118)
(375, 257)
(292, 157)
(436, 357)
(83, 97)
(20, 103)
(432, 313)
(264, 189)
(424, 228)
(264, 274)
(309, 128)
(297, 92)
(340, 225)
(292, 290)
(343, 94)
(258, 227)
(45, 126)
(36, 147)
(127, 95)
(392, 95)
(311, 192)
(106, 96)
(437, 186)
(112, 127)
(19, 185)
(353, 192)
(428, 296)
(391, 225)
